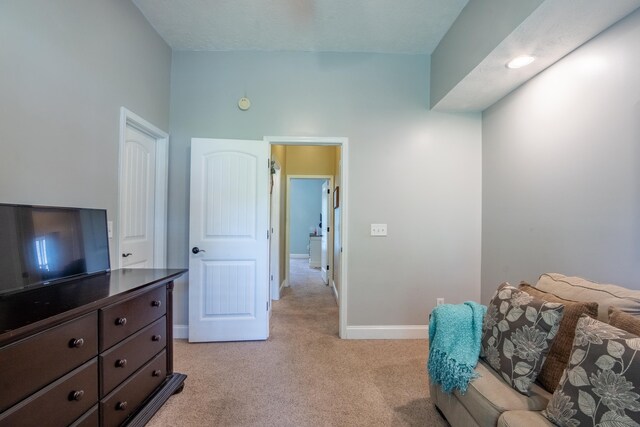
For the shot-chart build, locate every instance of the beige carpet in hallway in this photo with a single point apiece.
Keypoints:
(303, 375)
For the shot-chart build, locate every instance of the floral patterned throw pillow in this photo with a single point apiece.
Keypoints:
(517, 333)
(601, 383)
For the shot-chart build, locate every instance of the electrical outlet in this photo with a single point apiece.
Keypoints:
(439, 301)
(378, 230)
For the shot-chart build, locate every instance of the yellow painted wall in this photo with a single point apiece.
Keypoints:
(310, 160)
(279, 153)
(337, 222)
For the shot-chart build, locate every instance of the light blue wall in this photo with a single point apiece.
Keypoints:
(305, 198)
(561, 173)
(66, 68)
(380, 102)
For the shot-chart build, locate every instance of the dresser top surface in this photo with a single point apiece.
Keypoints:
(29, 308)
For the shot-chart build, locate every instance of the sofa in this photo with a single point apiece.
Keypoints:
(490, 401)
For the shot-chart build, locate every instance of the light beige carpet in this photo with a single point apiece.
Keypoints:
(303, 375)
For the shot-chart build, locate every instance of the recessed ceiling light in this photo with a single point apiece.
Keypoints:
(520, 61)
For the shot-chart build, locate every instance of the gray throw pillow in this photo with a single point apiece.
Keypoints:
(517, 333)
(600, 385)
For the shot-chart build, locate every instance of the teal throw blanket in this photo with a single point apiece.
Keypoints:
(454, 344)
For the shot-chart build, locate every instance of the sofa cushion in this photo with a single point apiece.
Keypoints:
(516, 335)
(523, 418)
(625, 321)
(601, 381)
(560, 350)
(489, 395)
(578, 289)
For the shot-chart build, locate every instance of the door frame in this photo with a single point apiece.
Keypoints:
(129, 118)
(287, 224)
(343, 143)
(274, 243)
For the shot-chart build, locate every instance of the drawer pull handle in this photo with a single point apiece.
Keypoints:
(121, 363)
(121, 321)
(76, 342)
(157, 373)
(156, 338)
(156, 303)
(121, 406)
(76, 395)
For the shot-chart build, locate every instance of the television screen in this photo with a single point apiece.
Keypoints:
(40, 245)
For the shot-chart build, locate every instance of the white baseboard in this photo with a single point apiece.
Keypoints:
(385, 332)
(285, 284)
(180, 331)
(298, 255)
(335, 291)
(388, 332)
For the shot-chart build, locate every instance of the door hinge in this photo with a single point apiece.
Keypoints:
(267, 234)
(327, 267)
(269, 164)
(267, 305)
(328, 229)
(272, 277)
(328, 191)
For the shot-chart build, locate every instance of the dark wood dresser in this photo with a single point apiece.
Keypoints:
(96, 351)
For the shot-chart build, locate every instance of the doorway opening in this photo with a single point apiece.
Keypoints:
(284, 150)
(309, 231)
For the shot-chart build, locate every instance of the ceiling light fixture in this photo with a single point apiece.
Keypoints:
(520, 61)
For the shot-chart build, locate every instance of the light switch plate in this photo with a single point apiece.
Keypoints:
(378, 230)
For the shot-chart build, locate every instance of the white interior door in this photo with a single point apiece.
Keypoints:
(324, 247)
(228, 233)
(274, 252)
(137, 204)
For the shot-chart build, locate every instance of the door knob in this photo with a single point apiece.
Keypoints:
(196, 250)
(126, 255)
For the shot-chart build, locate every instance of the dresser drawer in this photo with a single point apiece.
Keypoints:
(120, 320)
(30, 364)
(120, 361)
(124, 400)
(91, 418)
(60, 403)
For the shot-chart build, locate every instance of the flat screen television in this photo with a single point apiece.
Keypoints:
(42, 245)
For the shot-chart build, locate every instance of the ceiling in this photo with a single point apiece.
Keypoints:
(554, 29)
(382, 26)
(550, 31)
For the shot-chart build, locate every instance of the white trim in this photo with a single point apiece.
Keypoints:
(128, 117)
(388, 332)
(299, 256)
(283, 285)
(335, 291)
(274, 222)
(180, 332)
(343, 143)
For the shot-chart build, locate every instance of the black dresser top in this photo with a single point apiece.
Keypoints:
(25, 311)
